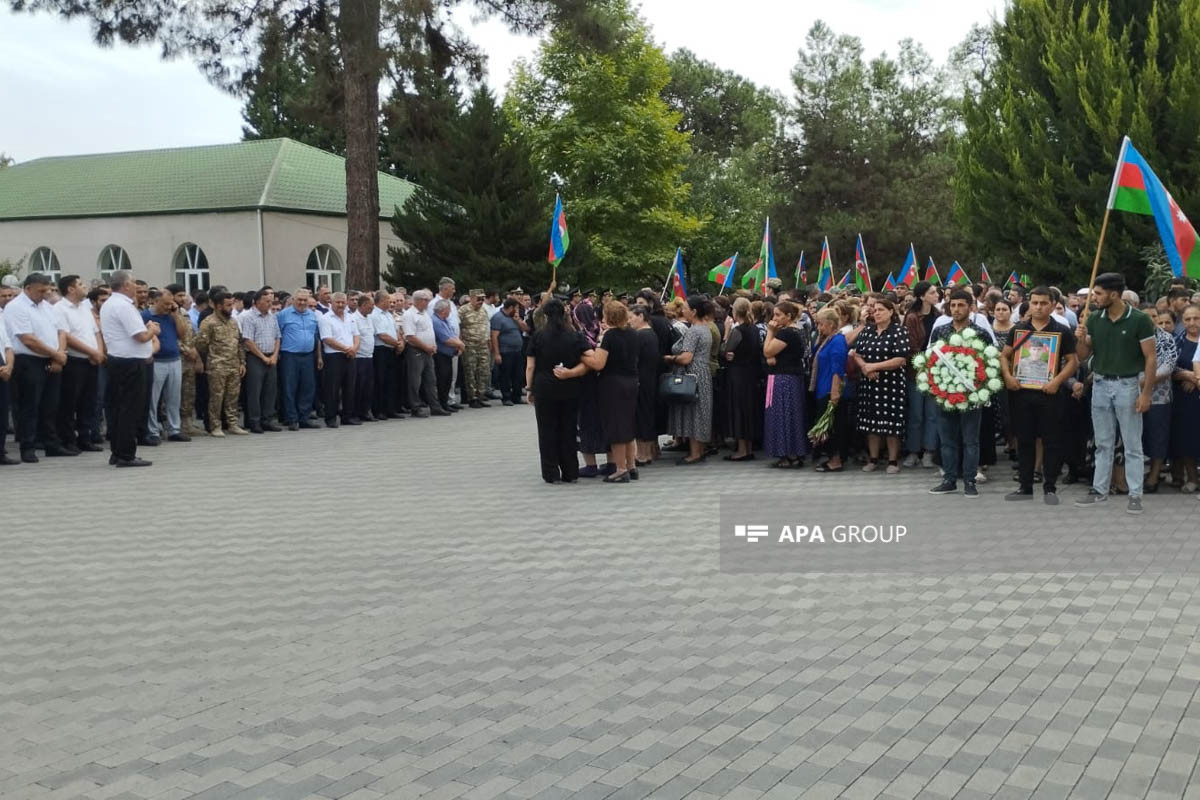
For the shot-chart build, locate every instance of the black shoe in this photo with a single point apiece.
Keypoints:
(179, 437)
(589, 471)
(969, 489)
(484, 404)
(455, 407)
(149, 441)
(351, 421)
(272, 427)
(255, 429)
(622, 478)
(633, 474)
(88, 447)
(133, 462)
(439, 412)
(112, 460)
(476, 404)
(421, 413)
(61, 452)
(1020, 494)
(293, 426)
(608, 469)
(518, 402)
(331, 423)
(508, 402)
(306, 425)
(945, 487)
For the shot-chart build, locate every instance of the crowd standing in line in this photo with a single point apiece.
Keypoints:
(608, 376)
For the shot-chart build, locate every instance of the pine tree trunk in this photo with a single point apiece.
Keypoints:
(359, 34)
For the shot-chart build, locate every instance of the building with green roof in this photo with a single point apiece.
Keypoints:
(241, 215)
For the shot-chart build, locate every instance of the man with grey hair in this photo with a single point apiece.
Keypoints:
(420, 345)
(446, 288)
(340, 340)
(449, 347)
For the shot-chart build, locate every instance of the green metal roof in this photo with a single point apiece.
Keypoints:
(269, 174)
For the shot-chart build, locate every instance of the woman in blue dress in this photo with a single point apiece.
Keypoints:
(1185, 410)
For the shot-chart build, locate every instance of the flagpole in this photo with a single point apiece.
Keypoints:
(1112, 194)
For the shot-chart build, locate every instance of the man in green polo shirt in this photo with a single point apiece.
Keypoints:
(1121, 341)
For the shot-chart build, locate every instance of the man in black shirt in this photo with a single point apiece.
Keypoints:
(1037, 408)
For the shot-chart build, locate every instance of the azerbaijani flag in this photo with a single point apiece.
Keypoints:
(801, 272)
(862, 275)
(1013, 280)
(1025, 281)
(722, 274)
(890, 284)
(560, 240)
(847, 279)
(931, 274)
(825, 272)
(678, 282)
(766, 253)
(1136, 189)
(908, 273)
(983, 274)
(955, 275)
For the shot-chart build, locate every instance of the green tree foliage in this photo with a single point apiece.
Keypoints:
(1068, 80)
(593, 112)
(872, 153)
(734, 127)
(478, 214)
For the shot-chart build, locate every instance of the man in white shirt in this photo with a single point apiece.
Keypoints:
(6, 371)
(339, 345)
(420, 345)
(385, 330)
(40, 352)
(364, 357)
(129, 344)
(85, 354)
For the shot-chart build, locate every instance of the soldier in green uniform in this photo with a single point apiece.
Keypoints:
(192, 363)
(475, 331)
(219, 341)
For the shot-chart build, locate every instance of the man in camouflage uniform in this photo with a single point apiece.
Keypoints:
(475, 332)
(220, 343)
(192, 364)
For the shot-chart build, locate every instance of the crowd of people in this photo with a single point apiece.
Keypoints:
(1118, 405)
(136, 365)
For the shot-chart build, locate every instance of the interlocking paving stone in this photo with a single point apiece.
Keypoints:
(405, 610)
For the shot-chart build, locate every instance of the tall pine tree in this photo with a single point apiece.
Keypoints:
(478, 214)
(1070, 78)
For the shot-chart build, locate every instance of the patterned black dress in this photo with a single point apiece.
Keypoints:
(882, 403)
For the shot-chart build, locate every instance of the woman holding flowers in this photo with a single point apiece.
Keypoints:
(828, 385)
(881, 352)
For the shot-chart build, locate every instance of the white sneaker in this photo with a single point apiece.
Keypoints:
(981, 477)
(927, 461)
(911, 460)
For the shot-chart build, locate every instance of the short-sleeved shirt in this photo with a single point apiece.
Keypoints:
(509, 340)
(382, 323)
(1117, 346)
(365, 326)
(791, 360)
(79, 322)
(260, 328)
(23, 317)
(443, 332)
(1066, 338)
(622, 347)
(297, 331)
(338, 328)
(419, 325)
(168, 336)
(831, 361)
(119, 323)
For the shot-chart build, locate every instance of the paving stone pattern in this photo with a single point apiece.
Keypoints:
(325, 615)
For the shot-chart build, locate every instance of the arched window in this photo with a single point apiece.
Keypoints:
(324, 267)
(191, 268)
(44, 261)
(112, 258)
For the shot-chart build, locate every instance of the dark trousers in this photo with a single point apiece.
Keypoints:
(1037, 415)
(838, 442)
(400, 379)
(298, 374)
(421, 383)
(77, 402)
(383, 397)
(35, 393)
(143, 429)
(443, 367)
(261, 386)
(127, 392)
(1077, 431)
(556, 423)
(959, 435)
(364, 386)
(4, 391)
(337, 384)
(512, 375)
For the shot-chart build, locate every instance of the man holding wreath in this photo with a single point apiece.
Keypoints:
(1036, 366)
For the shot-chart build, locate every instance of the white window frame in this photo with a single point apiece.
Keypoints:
(43, 259)
(324, 274)
(193, 277)
(112, 258)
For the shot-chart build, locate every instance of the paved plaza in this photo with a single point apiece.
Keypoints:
(406, 610)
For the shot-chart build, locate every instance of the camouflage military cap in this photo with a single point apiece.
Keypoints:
(477, 293)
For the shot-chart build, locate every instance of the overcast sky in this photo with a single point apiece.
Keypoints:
(60, 94)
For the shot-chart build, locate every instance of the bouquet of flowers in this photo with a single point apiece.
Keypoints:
(819, 432)
(961, 373)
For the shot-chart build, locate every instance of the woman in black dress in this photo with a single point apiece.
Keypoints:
(881, 352)
(742, 354)
(649, 359)
(556, 398)
(616, 359)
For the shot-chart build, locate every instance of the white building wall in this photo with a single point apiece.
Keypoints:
(290, 237)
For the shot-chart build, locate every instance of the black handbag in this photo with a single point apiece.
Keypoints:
(678, 388)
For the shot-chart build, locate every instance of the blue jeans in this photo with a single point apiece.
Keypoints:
(298, 372)
(1114, 403)
(922, 430)
(959, 432)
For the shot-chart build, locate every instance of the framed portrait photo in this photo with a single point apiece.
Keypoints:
(1035, 361)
